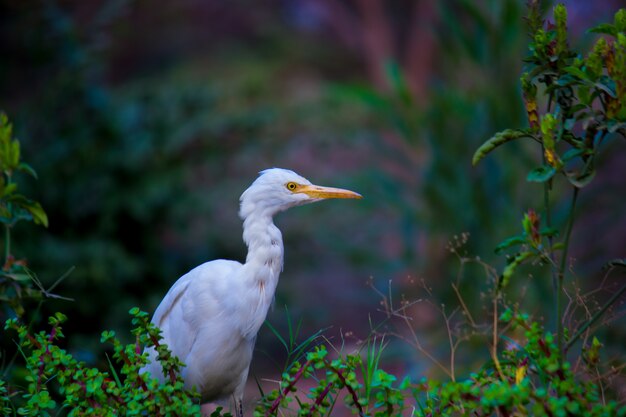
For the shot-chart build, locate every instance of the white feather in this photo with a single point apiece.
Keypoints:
(211, 315)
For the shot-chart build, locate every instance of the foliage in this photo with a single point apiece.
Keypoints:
(52, 379)
(379, 395)
(16, 280)
(527, 381)
(531, 375)
(529, 371)
(56, 380)
(585, 107)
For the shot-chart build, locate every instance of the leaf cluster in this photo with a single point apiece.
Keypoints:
(583, 108)
(366, 389)
(527, 380)
(14, 206)
(585, 99)
(16, 280)
(55, 379)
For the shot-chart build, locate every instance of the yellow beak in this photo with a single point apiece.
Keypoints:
(316, 191)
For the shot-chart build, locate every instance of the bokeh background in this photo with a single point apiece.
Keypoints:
(147, 120)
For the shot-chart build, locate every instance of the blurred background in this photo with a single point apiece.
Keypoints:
(146, 121)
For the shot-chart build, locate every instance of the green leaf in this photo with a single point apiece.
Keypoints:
(576, 72)
(549, 232)
(15, 154)
(39, 215)
(608, 88)
(512, 266)
(573, 153)
(18, 277)
(33, 208)
(541, 174)
(605, 28)
(512, 241)
(24, 167)
(583, 179)
(9, 189)
(497, 140)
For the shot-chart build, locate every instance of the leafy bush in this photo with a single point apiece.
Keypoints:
(584, 108)
(528, 372)
(15, 207)
(88, 391)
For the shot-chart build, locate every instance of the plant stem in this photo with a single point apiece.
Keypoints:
(546, 204)
(7, 243)
(561, 275)
(7, 226)
(595, 317)
(287, 389)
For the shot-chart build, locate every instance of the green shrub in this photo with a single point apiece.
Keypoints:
(574, 104)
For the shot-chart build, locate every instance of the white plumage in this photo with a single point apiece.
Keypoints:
(211, 315)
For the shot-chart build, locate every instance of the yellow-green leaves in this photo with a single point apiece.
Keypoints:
(512, 266)
(591, 354)
(560, 18)
(533, 244)
(529, 94)
(549, 125)
(497, 140)
(595, 59)
(13, 205)
(120, 391)
(583, 103)
(9, 148)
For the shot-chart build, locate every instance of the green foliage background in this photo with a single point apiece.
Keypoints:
(145, 128)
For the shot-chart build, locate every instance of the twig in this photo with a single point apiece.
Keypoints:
(452, 344)
(595, 317)
(320, 398)
(287, 389)
(561, 275)
(355, 397)
(464, 306)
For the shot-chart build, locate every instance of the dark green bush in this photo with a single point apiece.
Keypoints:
(575, 104)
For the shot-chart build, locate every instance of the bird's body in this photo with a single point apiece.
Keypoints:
(211, 315)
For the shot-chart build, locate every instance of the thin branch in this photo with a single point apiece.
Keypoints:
(464, 306)
(561, 275)
(595, 317)
(287, 389)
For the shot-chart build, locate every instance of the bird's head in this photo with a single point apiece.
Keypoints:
(278, 189)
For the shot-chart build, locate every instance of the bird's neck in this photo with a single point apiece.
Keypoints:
(265, 252)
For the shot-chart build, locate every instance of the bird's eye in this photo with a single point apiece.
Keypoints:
(291, 186)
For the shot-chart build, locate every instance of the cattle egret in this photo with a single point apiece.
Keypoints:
(211, 315)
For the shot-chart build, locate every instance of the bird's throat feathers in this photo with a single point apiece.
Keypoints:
(265, 247)
(262, 269)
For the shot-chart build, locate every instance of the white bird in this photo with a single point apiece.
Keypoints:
(211, 315)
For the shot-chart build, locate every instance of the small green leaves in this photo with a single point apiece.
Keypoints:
(541, 174)
(497, 140)
(548, 127)
(14, 206)
(511, 242)
(586, 97)
(9, 148)
(591, 354)
(85, 390)
(618, 25)
(512, 266)
(560, 18)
